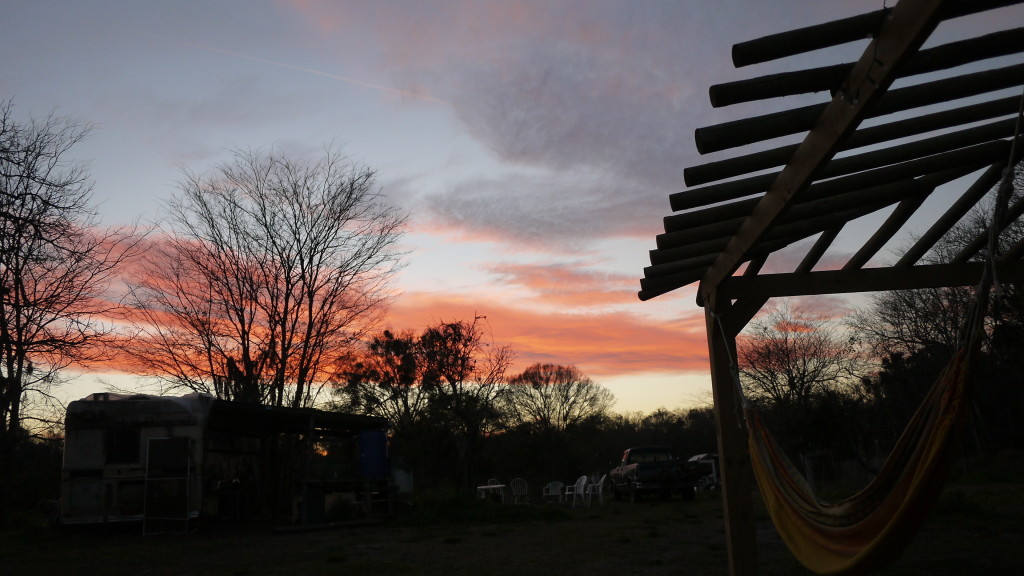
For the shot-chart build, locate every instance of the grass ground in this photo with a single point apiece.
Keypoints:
(978, 527)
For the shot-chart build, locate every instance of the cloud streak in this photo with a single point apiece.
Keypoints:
(587, 108)
(534, 143)
(600, 343)
(568, 284)
(410, 94)
(546, 212)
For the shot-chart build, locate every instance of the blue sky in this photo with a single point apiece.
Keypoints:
(533, 143)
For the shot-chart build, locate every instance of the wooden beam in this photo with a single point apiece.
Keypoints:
(689, 268)
(788, 122)
(807, 219)
(823, 78)
(709, 215)
(865, 280)
(823, 202)
(910, 24)
(686, 253)
(1015, 252)
(664, 278)
(807, 39)
(800, 229)
(895, 221)
(652, 287)
(951, 145)
(737, 166)
(838, 32)
(734, 459)
(1014, 212)
(974, 157)
(744, 309)
(967, 200)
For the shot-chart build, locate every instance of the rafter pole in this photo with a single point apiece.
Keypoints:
(910, 24)
(740, 165)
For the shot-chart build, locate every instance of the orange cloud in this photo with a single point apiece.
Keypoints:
(600, 344)
(569, 284)
(794, 327)
(604, 344)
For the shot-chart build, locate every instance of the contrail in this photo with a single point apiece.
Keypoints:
(405, 93)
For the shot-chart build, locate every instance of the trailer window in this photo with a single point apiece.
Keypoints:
(122, 445)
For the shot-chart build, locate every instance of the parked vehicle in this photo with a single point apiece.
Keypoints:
(703, 470)
(649, 470)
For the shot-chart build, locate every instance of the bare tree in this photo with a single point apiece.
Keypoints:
(272, 269)
(908, 322)
(912, 334)
(787, 358)
(554, 397)
(55, 268)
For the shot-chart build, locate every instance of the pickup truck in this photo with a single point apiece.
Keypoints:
(649, 470)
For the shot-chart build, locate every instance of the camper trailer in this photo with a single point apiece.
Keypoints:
(168, 461)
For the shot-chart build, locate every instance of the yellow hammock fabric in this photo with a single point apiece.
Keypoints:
(871, 528)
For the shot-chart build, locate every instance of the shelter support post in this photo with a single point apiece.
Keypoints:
(734, 458)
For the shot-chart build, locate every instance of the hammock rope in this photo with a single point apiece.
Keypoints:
(872, 528)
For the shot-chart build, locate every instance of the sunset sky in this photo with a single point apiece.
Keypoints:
(533, 143)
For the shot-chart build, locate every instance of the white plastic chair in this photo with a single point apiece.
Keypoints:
(596, 489)
(553, 490)
(577, 490)
(518, 490)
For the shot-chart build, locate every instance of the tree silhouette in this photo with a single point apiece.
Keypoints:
(554, 397)
(272, 269)
(55, 268)
(787, 358)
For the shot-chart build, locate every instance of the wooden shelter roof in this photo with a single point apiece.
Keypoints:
(954, 118)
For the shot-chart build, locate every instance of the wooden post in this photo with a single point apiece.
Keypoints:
(734, 459)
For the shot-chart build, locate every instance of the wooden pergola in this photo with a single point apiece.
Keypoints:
(956, 121)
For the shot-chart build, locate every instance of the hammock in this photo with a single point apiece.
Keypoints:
(872, 527)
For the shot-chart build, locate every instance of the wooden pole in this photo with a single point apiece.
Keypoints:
(734, 460)
(839, 32)
(683, 253)
(731, 167)
(825, 205)
(758, 128)
(807, 39)
(829, 78)
(900, 216)
(865, 280)
(953, 215)
(870, 169)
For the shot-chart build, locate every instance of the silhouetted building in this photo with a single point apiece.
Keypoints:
(167, 461)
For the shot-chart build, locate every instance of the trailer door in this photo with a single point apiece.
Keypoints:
(168, 466)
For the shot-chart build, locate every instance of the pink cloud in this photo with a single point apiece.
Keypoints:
(600, 344)
(569, 284)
